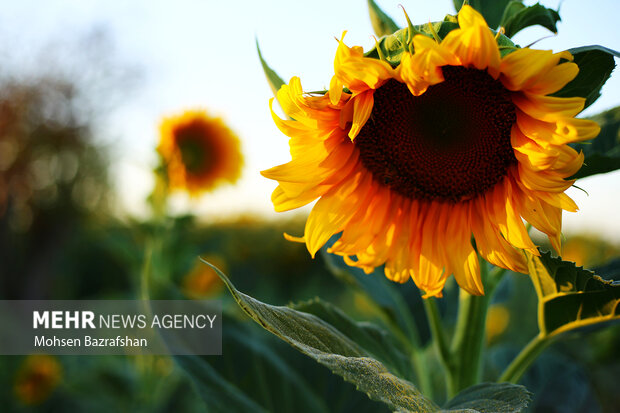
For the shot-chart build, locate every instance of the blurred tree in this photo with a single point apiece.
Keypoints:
(53, 167)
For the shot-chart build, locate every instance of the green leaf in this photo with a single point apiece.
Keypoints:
(491, 397)
(492, 10)
(375, 340)
(517, 17)
(570, 297)
(261, 373)
(275, 81)
(331, 348)
(602, 155)
(595, 66)
(218, 394)
(382, 24)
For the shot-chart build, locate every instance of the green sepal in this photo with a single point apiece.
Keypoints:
(275, 81)
(382, 24)
(570, 297)
(518, 16)
(394, 45)
(602, 155)
(595, 66)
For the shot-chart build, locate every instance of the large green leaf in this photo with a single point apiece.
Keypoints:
(518, 16)
(332, 348)
(491, 397)
(595, 66)
(492, 10)
(570, 297)
(602, 155)
(218, 394)
(375, 340)
(382, 24)
(275, 81)
(258, 372)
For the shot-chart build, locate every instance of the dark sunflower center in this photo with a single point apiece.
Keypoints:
(449, 144)
(196, 152)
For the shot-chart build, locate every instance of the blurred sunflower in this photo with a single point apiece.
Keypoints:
(410, 162)
(199, 152)
(498, 318)
(37, 378)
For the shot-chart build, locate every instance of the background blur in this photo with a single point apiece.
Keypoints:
(202, 53)
(83, 87)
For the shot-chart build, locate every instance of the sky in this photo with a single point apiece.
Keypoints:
(202, 54)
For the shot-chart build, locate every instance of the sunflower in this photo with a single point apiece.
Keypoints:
(419, 166)
(199, 152)
(37, 378)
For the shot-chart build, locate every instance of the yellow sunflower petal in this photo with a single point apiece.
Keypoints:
(335, 209)
(335, 90)
(473, 43)
(544, 217)
(423, 68)
(555, 79)
(462, 256)
(548, 108)
(490, 243)
(359, 73)
(525, 68)
(560, 131)
(362, 107)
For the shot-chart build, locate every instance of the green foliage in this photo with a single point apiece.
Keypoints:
(336, 349)
(602, 155)
(376, 341)
(382, 24)
(394, 45)
(275, 81)
(595, 66)
(491, 397)
(570, 297)
(517, 17)
(333, 349)
(401, 303)
(257, 378)
(492, 10)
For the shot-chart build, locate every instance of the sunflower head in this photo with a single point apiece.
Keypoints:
(422, 162)
(199, 152)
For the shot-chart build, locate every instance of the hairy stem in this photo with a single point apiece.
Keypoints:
(468, 341)
(440, 341)
(526, 357)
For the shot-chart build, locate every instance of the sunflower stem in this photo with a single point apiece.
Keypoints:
(526, 357)
(468, 340)
(417, 359)
(439, 340)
